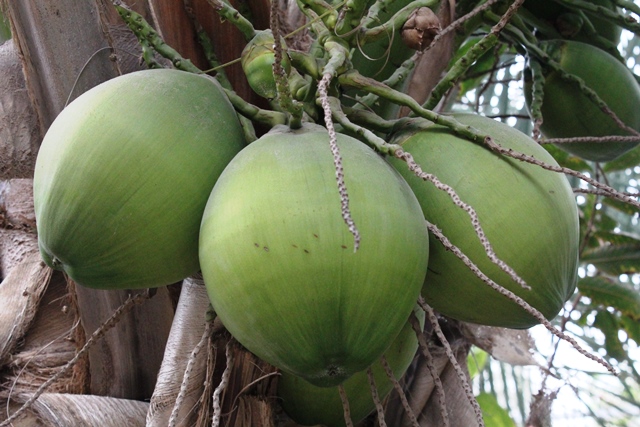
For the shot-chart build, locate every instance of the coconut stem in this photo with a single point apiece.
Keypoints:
(280, 75)
(537, 97)
(337, 161)
(435, 376)
(345, 406)
(353, 78)
(376, 398)
(475, 220)
(513, 297)
(207, 46)
(606, 13)
(454, 362)
(224, 381)
(462, 65)
(112, 321)
(605, 189)
(145, 32)
(459, 68)
(399, 390)
(399, 76)
(229, 13)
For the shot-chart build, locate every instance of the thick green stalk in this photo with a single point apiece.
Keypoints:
(459, 68)
(361, 133)
(350, 18)
(338, 57)
(630, 5)
(207, 47)
(605, 13)
(232, 15)
(286, 101)
(250, 111)
(395, 81)
(356, 80)
(537, 90)
(146, 33)
(320, 10)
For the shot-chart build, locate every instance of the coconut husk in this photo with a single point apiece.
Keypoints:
(48, 344)
(250, 376)
(253, 411)
(65, 410)
(186, 332)
(20, 293)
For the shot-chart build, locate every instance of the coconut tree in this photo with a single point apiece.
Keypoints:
(505, 249)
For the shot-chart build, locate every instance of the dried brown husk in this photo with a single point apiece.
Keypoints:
(43, 346)
(421, 28)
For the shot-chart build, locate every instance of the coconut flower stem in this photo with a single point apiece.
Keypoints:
(229, 13)
(610, 15)
(224, 381)
(605, 189)
(337, 161)
(454, 362)
(475, 220)
(437, 233)
(400, 391)
(280, 75)
(459, 68)
(424, 348)
(345, 406)
(144, 32)
(376, 398)
(462, 65)
(207, 46)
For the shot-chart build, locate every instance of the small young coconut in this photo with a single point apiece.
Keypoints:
(420, 29)
(257, 61)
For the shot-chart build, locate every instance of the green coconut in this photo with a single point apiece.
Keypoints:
(279, 262)
(257, 60)
(568, 113)
(309, 405)
(528, 214)
(123, 176)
